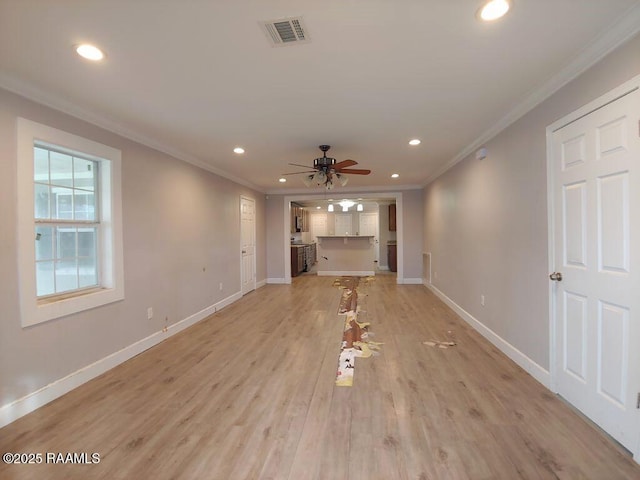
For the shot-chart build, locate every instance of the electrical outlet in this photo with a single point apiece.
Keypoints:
(220, 286)
(149, 313)
(482, 300)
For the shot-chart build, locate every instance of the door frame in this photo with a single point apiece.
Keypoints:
(252, 200)
(609, 97)
(323, 196)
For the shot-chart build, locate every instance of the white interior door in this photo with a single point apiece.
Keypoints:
(343, 224)
(596, 204)
(369, 226)
(248, 244)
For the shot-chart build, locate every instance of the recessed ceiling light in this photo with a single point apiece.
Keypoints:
(494, 9)
(282, 180)
(415, 141)
(318, 207)
(394, 175)
(89, 52)
(238, 150)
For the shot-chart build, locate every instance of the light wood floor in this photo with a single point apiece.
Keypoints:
(249, 394)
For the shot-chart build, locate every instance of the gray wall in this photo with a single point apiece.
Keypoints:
(486, 221)
(412, 235)
(177, 220)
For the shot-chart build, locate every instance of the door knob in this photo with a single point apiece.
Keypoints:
(556, 276)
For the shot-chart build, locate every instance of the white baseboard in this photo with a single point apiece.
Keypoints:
(531, 367)
(277, 281)
(412, 281)
(27, 404)
(261, 284)
(338, 273)
(221, 304)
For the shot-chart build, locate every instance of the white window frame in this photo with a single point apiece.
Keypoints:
(111, 265)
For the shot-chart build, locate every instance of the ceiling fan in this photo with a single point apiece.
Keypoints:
(326, 171)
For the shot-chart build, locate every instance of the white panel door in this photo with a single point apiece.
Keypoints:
(343, 224)
(369, 226)
(596, 198)
(248, 244)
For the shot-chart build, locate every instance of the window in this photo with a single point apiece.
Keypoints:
(69, 221)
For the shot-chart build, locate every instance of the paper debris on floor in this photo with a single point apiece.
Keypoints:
(436, 343)
(356, 334)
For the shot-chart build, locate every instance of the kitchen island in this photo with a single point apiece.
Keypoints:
(346, 255)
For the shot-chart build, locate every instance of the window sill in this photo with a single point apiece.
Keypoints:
(50, 309)
(67, 296)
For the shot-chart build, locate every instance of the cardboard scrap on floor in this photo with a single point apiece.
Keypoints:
(355, 338)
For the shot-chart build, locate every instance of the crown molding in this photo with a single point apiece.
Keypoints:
(37, 95)
(625, 28)
(342, 190)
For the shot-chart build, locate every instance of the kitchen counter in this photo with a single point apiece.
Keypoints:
(346, 255)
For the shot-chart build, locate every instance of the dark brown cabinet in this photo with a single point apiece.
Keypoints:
(303, 257)
(392, 217)
(297, 261)
(392, 257)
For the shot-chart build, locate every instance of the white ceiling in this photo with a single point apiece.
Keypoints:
(195, 78)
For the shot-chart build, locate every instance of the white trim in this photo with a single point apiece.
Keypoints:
(278, 281)
(346, 193)
(32, 401)
(261, 284)
(399, 225)
(622, 31)
(112, 275)
(253, 223)
(227, 301)
(29, 91)
(616, 93)
(627, 26)
(345, 273)
(412, 281)
(531, 367)
(553, 384)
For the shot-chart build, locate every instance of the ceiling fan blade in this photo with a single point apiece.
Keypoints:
(344, 163)
(296, 173)
(298, 165)
(355, 171)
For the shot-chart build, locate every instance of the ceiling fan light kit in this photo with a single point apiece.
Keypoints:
(327, 171)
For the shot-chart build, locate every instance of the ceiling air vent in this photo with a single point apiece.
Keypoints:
(285, 31)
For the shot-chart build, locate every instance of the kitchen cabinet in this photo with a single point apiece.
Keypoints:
(295, 215)
(303, 257)
(392, 257)
(310, 256)
(300, 221)
(392, 217)
(297, 260)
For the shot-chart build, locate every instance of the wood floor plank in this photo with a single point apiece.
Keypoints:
(249, 393)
